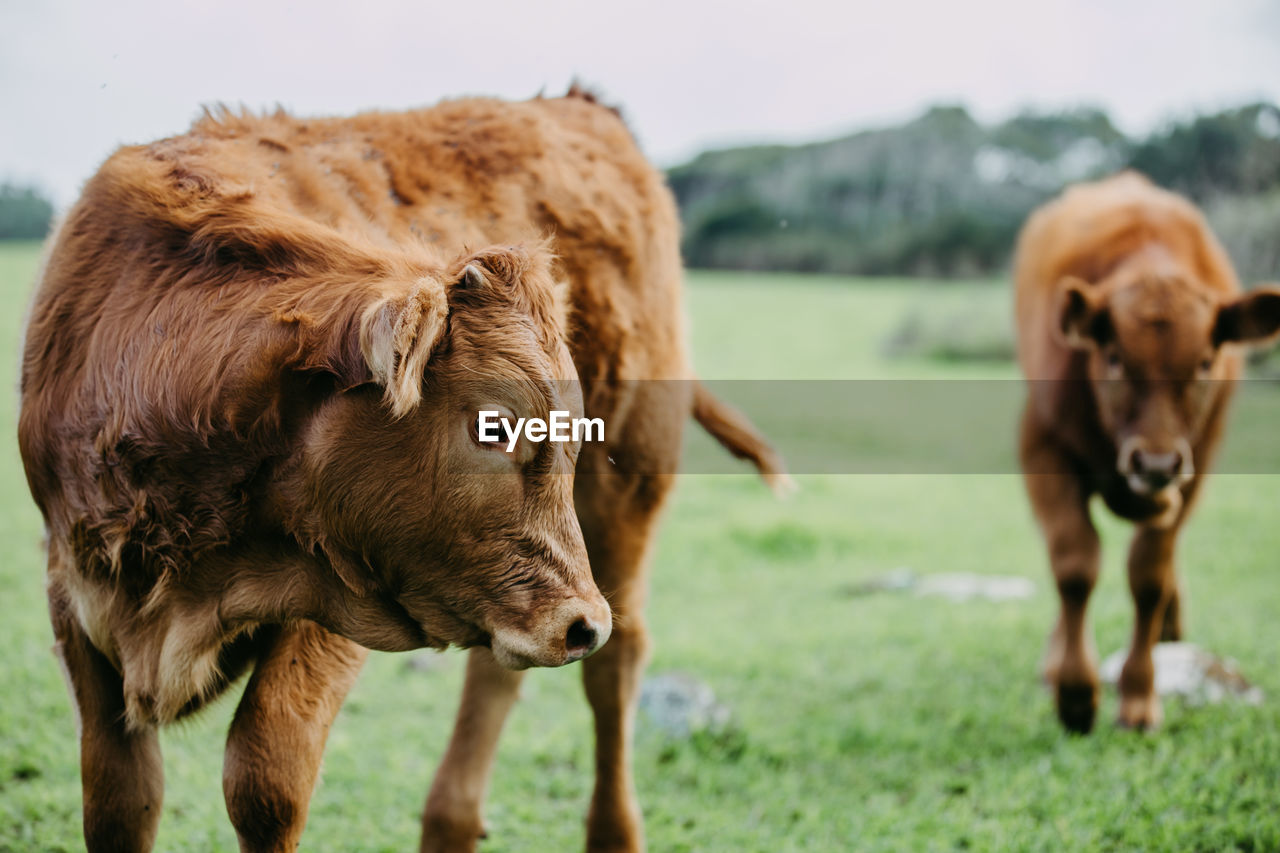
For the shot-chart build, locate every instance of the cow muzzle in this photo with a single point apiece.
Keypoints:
(569, 632)
(1151, 471)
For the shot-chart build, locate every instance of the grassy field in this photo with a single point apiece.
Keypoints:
(880, 722)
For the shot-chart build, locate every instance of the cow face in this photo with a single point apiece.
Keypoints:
(1157, 345)
(476, 544)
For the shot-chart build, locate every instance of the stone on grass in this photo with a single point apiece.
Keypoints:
(1196, 675)
(896, 580)
(965, 586)
(680, 705)
(954, 586)
(430, 660)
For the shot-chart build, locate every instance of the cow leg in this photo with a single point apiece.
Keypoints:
(121, 773)
(1061, 505)
(452, 819)
(618, 530)
(1153, 584)
(279, 731)
(1171, 624)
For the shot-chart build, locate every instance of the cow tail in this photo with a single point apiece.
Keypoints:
(739, 436)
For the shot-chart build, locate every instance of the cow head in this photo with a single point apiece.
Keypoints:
(1159, 348)
(475, 544)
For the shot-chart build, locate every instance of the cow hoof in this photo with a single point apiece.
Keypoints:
(1077, 707)
(1140, 713)
(445, 835)
(616, 846)
(624, 836)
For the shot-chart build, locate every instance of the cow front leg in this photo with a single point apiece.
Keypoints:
(1061, 505)
(619, 520)
(453, 820)
(612, 681)
(1073, 558)
(121, 773)
(1153, 585)
(278, 734)
(1171, 625)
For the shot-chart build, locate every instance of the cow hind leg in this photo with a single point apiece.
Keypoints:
(452, 820)
(121, 773)
(278, 734)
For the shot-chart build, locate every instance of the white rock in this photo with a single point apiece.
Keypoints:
(431, 660)
(896, 580)
(964, 586)
(1195, 674)
(680, 705)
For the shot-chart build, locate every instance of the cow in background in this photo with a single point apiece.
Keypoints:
(1130, 324)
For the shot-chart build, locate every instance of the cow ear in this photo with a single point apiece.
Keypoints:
(472, 278)
(398, 333)
(1081, 317)
(1253, 318)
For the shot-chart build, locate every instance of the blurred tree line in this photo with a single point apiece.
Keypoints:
(939, 196)
(944, 195)
(25, 213)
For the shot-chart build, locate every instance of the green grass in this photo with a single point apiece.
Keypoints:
(872, 723)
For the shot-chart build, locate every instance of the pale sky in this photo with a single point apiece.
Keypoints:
(78, 79)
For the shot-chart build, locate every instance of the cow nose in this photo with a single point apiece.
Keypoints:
(581, 639)
(571, 631)
(1157, 470)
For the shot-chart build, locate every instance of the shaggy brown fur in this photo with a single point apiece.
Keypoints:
(249, 384)
(1129, 323)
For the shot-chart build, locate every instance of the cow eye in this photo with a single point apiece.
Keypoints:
(1115, 367)
(501, 430)
(1206, 364)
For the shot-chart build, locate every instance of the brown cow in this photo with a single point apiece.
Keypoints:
(249, 402)
(1129, 322)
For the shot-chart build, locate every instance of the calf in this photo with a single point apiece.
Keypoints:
(1129, 322)
(250, 393)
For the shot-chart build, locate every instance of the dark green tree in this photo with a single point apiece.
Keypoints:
(25, 213)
